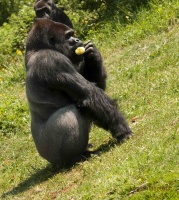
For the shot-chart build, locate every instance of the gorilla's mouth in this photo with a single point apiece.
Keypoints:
(80, 51)
(43, 15)
(75, 47)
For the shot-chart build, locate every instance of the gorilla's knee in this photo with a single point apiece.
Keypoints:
(65, 135)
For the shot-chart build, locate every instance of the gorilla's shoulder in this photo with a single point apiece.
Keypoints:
(47, 58)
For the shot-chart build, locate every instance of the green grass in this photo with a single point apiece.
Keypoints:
(143, 75)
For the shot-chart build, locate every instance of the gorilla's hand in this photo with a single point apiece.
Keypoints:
(91, 52)
(94, 70)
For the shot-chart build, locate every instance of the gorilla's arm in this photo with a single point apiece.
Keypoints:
(59, 74)
(94, 70)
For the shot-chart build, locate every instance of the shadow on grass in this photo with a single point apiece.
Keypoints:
(38, 177)
(107, 146)
(49, 171)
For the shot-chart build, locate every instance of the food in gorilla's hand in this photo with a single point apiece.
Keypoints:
(80, 50)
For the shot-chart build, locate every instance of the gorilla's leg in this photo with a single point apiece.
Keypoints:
(64, 137)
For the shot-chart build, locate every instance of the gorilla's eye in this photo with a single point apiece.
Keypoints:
(69, 34)
(52, 40)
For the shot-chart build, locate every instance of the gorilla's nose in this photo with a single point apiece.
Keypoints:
(77, 40)
(74, 41)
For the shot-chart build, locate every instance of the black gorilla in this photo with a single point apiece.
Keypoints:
(64, 93)
(47, 9)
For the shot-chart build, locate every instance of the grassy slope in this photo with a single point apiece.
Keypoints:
(143, 76)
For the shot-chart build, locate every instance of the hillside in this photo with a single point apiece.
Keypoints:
(142, 64)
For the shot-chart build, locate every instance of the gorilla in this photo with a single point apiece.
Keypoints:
(65, 93)
(47, 9)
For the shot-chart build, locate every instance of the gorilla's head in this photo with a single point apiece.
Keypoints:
(43, 8)
(46, 34)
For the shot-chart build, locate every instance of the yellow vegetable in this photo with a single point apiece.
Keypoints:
(80, 50)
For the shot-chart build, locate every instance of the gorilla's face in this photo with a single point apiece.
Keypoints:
(47, 34)
(73, 44)
(43, 8)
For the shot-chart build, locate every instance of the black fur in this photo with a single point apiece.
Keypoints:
(65, 93)
(47, 9)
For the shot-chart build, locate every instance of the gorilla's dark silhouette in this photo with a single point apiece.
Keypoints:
(65, 93)
(47, 9)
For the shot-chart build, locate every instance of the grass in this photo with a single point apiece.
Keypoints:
(143, 75)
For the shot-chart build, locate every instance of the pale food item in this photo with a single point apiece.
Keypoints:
(80, 50)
